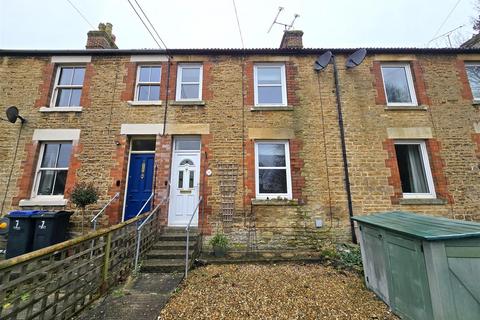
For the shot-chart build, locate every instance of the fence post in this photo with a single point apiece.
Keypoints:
(137, 250)
(106, 261)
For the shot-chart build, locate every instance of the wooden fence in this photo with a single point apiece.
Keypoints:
(58, 281)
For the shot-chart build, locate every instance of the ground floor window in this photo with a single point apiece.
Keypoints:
(414, 169)
(52, 169)
(272, 169)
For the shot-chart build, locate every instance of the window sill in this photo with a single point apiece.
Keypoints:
(61, 109)
(271, 108)
(43, 202)
(423, 201)
(476, 103)
(156, 103)
(187, 103)
(274, 202)
(406, 108)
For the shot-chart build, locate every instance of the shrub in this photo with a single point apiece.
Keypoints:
(82, 195)
(219, 240)
(351, 256)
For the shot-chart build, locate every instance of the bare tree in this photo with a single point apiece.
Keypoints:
(476, 21)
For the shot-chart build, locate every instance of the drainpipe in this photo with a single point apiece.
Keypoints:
(166, 97)
(344, 150)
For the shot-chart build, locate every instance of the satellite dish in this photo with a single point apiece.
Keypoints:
(356, 58)
(12, 114)
(323, 61)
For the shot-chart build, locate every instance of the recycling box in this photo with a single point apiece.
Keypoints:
(20, 232)
(423, 267)
(50, 228)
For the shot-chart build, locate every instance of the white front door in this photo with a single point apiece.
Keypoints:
(184, 186)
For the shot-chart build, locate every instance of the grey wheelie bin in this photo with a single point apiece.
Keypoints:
(20, 232)
(50, 228)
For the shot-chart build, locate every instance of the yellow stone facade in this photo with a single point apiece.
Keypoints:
(229, 122)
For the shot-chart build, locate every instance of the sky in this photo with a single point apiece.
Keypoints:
(54, 24)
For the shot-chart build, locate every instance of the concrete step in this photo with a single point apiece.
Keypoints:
(179, 230)
(177, 237)
(163, 265)
(173, 245)
(168, 254)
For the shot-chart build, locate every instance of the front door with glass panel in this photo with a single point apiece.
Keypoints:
(184, 185)
(140, 177)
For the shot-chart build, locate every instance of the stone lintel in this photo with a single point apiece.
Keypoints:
(410, 133)
(270, 133)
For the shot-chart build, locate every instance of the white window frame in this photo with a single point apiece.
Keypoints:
(138, 83)
(56, 86)
(178, 95)
(273, 196)
(283, 78)
(472, 64)
(426, 167)
(178, 138)
(36, 181)
(411, 86)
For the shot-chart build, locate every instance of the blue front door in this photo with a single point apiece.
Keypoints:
(140, 184)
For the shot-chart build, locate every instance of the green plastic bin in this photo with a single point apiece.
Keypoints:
(423, 267)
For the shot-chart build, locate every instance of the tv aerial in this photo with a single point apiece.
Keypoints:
(286, 26)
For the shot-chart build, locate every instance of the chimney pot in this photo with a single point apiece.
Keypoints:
(292, 39)
(103, 38)
(108, 28)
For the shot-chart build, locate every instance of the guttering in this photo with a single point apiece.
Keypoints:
(233, 51)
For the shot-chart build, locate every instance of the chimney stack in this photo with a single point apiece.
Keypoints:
(103, 38)
(292, 39)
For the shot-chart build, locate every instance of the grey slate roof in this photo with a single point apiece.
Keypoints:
(235, 51)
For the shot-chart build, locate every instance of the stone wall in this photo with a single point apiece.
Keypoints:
(310, 123)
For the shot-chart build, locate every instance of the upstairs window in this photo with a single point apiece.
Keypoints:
(68, 86)
(270, 85)
(189, 82)
(272, 169)
(148, 83)
(398, 84)
(414, 169)
(52, 169)
(473, 73)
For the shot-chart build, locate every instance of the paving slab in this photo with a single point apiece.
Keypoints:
(142, 297)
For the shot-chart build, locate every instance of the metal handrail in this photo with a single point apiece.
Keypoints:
(94, 220)
(140, 227)
(187, 229)
(139, 234)
(145, 204)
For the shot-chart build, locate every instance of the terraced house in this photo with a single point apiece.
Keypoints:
(253, 137)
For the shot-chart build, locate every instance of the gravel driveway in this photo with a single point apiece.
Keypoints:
(284, 291)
